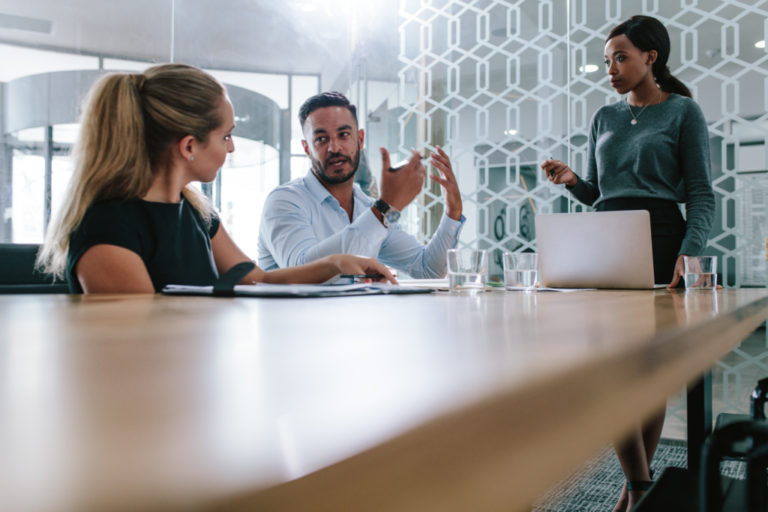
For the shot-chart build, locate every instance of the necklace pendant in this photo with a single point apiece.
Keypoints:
(634, 121)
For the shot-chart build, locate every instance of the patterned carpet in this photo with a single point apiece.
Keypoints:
(596, 485)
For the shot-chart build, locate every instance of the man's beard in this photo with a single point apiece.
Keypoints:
(319, 169)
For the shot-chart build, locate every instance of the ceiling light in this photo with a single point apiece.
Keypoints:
(308, 7)
(589, 68)
(510, 132)
(760, 44)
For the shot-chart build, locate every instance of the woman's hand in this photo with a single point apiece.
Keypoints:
(679, 271)
(558, 172)
(352, 265)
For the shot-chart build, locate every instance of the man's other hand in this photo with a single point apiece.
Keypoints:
(447, 182)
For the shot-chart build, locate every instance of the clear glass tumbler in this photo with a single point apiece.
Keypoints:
(467, 269)
(521, 270)
(700, 272)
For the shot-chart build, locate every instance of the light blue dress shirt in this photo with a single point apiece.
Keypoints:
(302, 222)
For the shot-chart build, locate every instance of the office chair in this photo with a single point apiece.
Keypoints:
(736, 437)
(18, 273)
(756, 412)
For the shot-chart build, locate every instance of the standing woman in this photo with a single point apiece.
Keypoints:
(648, 152)
(131, 222)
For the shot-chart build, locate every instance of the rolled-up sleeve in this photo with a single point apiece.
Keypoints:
(292, 241)
(404, 252)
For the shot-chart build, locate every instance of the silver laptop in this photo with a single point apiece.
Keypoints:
(596, 250)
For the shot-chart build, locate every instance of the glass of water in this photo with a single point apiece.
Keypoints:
(521, 270)
(466, 270)
(700, 272)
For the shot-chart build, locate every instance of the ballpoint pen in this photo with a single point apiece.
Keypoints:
(402, 163)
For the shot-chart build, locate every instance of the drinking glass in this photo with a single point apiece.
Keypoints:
(700, 272)
(466, 270)
(521, 270)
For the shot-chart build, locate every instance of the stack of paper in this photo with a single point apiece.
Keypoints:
(299, 290)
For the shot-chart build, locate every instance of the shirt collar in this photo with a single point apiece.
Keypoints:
(321, 193)
(315, 187)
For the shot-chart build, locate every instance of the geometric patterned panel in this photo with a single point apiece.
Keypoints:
(502, 85)
(487, 81)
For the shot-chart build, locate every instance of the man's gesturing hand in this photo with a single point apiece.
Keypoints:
(400, 187)
(442, 163)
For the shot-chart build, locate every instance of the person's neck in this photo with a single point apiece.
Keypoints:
(645, 93)
(167, 187)
(342, 192)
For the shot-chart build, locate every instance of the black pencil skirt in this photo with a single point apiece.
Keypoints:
(667, 230)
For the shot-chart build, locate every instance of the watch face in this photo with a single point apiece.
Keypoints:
(393, 216)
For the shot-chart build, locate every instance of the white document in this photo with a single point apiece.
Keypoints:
(296, 290)
(544, 289)
(442, 285)
(432, 284)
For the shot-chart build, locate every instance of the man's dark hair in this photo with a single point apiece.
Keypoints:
(322, 100)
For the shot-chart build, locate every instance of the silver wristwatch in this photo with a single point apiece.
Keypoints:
(389, 214)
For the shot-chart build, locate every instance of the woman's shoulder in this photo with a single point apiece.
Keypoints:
(607, 112)
(111, 211)
(683, 102)
(686, 107)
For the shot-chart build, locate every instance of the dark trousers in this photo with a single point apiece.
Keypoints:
(667, 230)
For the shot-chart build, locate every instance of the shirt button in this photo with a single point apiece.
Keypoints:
(379, 237)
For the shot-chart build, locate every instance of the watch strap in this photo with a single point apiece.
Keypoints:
(381, 206)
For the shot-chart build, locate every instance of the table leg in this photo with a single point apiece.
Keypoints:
(699, 405)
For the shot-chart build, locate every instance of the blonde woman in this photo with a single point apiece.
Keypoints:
(131, 222)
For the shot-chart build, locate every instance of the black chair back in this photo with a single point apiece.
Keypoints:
(758, 399)
(713, 452)
(19, 275)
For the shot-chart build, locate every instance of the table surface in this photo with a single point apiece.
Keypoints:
(437, 402)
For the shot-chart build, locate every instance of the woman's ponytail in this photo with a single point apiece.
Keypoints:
(110, 157)
(668, 82)
(647, 34)
(112, 143)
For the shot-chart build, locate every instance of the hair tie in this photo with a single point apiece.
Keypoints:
(138, 81)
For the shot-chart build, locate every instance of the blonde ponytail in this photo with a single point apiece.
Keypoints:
(128, 123)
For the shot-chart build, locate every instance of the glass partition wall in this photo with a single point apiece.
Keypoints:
(506, 84)
(500, 84)
(503, 85)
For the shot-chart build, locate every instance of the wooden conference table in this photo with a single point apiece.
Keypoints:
(386, 403)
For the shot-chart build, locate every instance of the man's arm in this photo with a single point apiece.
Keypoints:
(292, 241)
(404, 252)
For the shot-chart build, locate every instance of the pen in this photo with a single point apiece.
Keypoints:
(399, 165)
(363, 276)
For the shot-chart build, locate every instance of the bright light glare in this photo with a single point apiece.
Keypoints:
(760, 44)
(308, 7)
(510, 132)
(589, 68)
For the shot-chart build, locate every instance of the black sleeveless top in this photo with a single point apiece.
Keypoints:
(172, 240)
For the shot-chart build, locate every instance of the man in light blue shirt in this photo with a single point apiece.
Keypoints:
(323, 213)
